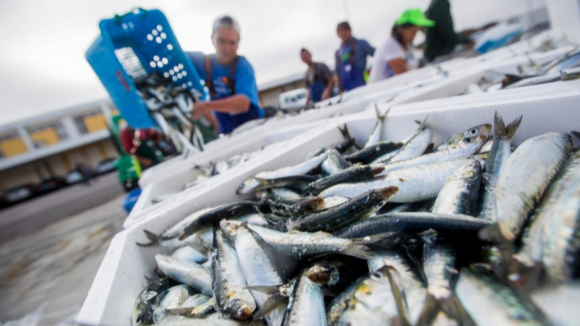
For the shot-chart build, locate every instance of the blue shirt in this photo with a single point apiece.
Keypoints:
(363, 49)
(244, 84)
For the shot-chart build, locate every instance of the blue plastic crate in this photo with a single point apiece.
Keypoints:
(134, 45)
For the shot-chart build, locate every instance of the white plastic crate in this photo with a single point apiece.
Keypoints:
(549, 107)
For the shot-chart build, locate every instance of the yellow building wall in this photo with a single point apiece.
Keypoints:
(49, 136)
(13, 146)
(95, 123)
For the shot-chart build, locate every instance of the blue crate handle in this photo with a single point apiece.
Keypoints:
(156, 49)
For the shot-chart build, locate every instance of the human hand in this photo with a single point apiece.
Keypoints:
(326, 94)
(145, 162)
(199, 109)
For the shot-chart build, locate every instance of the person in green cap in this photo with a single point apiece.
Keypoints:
(395, 56)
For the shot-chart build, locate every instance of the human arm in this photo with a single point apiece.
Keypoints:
(368, 48)
(337, 72)
(398, 65)
(327, 75)
(145, 162)
(234, 104)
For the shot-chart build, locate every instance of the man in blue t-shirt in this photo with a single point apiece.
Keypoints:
(351, 58)
(229, 78)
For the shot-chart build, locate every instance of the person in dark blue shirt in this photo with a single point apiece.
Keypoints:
(351, 58)
(229, 78)
(318, 78)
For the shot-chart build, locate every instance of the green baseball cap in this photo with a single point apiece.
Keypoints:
(414, 17)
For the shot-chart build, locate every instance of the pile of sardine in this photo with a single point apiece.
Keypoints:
(469, 232)
(209, 170)
(529, 75)
(171, 107)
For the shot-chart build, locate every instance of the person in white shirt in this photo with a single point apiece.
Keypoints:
(395, 56)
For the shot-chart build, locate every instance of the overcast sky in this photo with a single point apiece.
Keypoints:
(43, 68)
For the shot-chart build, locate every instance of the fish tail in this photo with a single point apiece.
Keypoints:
(381, 116)
(575, 134)
(455, 310)
(430, 309)
(358, 250)
(451, 306)
(509, 131)
(396, 282)
(344, 131)
(271, 304)
(153, 239)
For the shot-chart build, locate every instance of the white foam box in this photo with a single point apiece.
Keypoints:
(175, 176)
(121, 276)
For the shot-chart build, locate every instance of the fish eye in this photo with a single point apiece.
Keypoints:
(467, 140)
(473, 132)
(377, 275)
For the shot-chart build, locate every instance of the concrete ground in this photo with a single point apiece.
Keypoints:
(50, 255)
(35, 214)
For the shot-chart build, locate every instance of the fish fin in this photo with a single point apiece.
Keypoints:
(358, 250)
(200, 246)
(509, 131)
(396, 282)
(273, 303)
(267, 289)
(153, 238)
(575, 134)
(455, 310)
(422, 124)
(430, 309)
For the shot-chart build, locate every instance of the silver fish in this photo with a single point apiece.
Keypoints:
(412, 148)
(150, 297)
(306, 305)
(413, 292)
(375, 136)
(368, 301)
(228, 280)
(334, 163)
(416, 183)
(498, 155)
(185, 272)
(460, 150)
(299, 169)
(195, 300)
(555, 231)
(483, 129)
(302, 244)
(189, 254)
(491, 302)
(527, 173)
(260, 268)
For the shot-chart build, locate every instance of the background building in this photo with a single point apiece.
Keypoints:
(50, 145)
(53, 144)
(270, 92)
